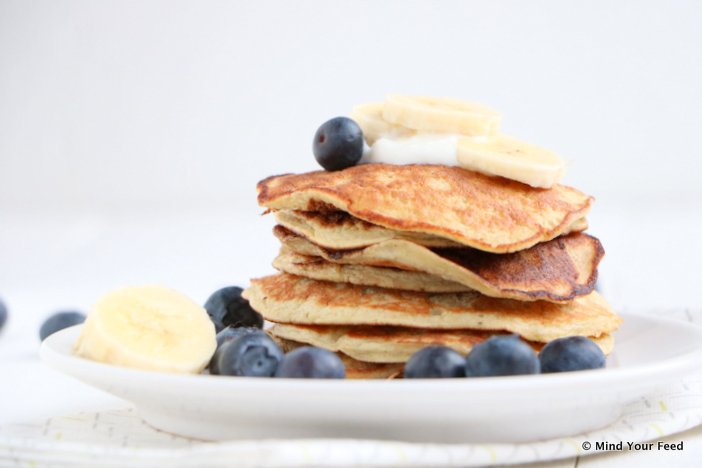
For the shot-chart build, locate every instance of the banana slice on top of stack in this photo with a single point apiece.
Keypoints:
(413, 124)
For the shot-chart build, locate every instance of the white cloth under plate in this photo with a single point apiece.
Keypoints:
(120, 438)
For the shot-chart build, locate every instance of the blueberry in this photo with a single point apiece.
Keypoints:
(501, 355)
(3, 314)
(435, 362)
(226, 336)
(573, 353)
(251, 354)
(309, 362)
(230, 333)
(338, 144)
(59, 321)
(227, 308)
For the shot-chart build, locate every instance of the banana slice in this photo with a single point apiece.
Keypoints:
(441, 115)
(148, 327)
(370, 118)
(511, 158)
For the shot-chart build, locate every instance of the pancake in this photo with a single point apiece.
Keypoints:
(318, 268)
(394, 344)
(287, 298)
(356, 369)
(557, 270)
(488, 213)
(340, 230)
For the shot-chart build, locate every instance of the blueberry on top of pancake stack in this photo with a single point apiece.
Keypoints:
(443, 232)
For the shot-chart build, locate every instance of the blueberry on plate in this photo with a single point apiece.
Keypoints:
(501, 355)
(227, 308)
(225, 336)
(3, 314)
(338, 144)
(309, 362)
(251, 355)
(59, 321)
(435, 362)
(573, 353)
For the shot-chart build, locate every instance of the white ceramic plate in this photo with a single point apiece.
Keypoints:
(650, 351)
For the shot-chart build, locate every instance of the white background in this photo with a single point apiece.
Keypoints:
(132, 133)
(116, 115)
(187, 104)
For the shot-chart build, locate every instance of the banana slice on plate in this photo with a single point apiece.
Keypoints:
(370, 118)
(441, 115)
(148, 327)
(511, 158)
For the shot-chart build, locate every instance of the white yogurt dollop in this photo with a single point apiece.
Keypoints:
(417, 149)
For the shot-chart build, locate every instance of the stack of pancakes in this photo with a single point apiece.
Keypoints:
(378, 261)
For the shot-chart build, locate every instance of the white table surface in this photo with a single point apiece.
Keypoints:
(54, 261)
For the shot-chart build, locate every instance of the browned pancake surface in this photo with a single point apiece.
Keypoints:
(487, 213)
(557, 270)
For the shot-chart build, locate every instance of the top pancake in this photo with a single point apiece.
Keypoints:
(487, 213)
